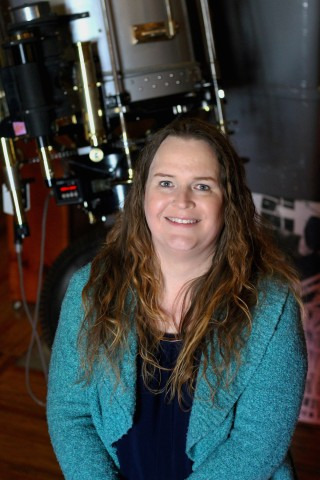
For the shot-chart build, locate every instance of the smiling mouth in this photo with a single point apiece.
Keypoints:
(185, 221)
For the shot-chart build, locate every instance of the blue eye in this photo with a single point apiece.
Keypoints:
(165, 183)
(202, 187)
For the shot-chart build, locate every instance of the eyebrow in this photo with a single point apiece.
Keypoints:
(163, 175)
(195, 178)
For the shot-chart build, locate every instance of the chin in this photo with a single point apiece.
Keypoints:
(183, 246)
(184, 249)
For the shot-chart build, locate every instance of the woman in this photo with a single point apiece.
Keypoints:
(185, 357)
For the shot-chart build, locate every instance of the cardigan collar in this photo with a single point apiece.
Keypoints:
(117, 412)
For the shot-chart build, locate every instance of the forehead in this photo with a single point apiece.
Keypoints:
(181, 153)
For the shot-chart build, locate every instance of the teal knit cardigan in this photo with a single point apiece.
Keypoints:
(244, 435)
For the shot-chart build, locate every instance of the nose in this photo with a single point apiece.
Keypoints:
(183, 198)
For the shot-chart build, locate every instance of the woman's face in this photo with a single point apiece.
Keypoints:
(183, 198)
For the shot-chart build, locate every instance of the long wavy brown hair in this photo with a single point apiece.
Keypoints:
(125, 284)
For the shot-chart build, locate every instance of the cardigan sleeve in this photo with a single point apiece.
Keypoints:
(267, 411)
(79, 449)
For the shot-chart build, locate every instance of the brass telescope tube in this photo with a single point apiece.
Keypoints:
(91, 107)
(11, 169)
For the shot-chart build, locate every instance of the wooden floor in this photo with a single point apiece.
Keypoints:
(25, 450)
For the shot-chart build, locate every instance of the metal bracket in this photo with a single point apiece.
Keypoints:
(153, 31)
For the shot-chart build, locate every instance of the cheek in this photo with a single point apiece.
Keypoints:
(220, 213)
(153, 204)
(150, 209)
(217, 215)
(221, 219)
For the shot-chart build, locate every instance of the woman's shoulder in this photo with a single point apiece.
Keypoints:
(79, 278)
(73, 296)
(277, 315)
(276, 297)
(71, 314)
(273, 288)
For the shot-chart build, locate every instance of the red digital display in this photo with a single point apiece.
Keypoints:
(70, 188)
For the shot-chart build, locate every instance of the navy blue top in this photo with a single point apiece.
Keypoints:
(154, 448)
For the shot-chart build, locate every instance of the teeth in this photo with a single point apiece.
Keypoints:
(181, 220)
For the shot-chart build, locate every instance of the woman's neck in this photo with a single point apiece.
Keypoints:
(176, 275)
(177, 271)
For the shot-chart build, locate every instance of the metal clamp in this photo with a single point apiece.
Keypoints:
(152, 31)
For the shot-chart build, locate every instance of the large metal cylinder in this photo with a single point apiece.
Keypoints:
(153, 60)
